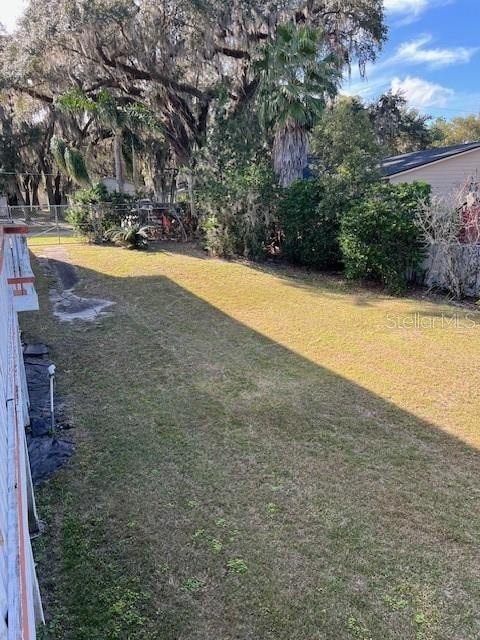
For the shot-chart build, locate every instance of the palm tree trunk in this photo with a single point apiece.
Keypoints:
(117, 151)
(290, 150)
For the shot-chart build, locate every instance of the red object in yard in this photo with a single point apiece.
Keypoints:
(470, 218)
(166, 223)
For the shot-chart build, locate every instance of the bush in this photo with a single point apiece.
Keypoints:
(379, 237)
(94, 210)
(308, 213)
(237, 189)
(133, 237)
(237, 209)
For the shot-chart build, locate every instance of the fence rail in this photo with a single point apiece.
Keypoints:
(20, 606)
(50, 223)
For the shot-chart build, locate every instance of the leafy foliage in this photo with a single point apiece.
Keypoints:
(344, 141)
(294, 82)
(131, 237)
(398, 128)
(76, 167)
(95, 210)
(379, 237)
(237, 192)
(310, 222)
(456, 131)
(175, 58)
(58, 147)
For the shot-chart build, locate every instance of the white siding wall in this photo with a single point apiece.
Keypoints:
(20, 607)
(444, 176)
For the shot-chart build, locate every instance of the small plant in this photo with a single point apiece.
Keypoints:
(216, 545)
(221, 522)
(272, 508)
(132, 237)
(198, 533)
(356, 629)
(420, 618)
(396, 603)
(237, 565)
(192, 584)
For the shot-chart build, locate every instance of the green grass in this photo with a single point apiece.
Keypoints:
(53, 239)
(260, 454)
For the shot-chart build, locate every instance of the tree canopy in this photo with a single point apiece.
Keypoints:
(456, 131)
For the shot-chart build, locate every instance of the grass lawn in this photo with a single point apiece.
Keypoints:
(261, 454)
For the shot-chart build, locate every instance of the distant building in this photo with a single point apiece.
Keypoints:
(446, 168)
(112, 185)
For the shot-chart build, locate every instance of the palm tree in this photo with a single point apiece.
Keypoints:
(106, 111)
(295, 81)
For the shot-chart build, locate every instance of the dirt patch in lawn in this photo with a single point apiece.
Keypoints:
(67, 305)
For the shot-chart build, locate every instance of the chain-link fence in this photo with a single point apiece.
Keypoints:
(47, 224)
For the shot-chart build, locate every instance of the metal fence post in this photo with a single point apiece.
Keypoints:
(56, 222)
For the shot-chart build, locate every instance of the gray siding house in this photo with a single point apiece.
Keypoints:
(446, 168)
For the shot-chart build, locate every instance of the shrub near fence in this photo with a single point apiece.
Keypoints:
(380, 238)
(450, 228)
(455, 269)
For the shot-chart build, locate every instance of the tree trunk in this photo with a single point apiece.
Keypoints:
(35, 183)
(17, 195)
(117, 150)
(58, 192)
(26, 188)
(50, 190)
(290, 149)
(191, 193)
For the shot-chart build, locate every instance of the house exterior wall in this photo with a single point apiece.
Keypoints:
(444, 176)
(112, 185)
(20, 606)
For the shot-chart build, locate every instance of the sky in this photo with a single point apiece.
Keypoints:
(432, 55)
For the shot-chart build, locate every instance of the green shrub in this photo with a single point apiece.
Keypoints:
(218, 237)
(237, 209)
(236, 189)
(95, 210)
(379, 237)
(132, 237)
(308, 214)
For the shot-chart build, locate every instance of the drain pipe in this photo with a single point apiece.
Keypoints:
(51, 375)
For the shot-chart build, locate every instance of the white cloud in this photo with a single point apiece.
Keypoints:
(411, 9)
(415, 52)
(421, 93)
(406, 6)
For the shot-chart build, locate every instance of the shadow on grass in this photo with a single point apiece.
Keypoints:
(202, 442)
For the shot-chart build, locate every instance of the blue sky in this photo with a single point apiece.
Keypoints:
(432, 55)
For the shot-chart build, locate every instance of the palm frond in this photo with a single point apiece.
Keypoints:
(76, 167)
(58, 147)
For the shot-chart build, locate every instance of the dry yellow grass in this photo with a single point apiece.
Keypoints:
(228, 412)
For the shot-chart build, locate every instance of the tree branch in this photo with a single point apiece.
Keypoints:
(141, 74)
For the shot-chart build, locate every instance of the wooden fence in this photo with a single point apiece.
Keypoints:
(20, 605)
